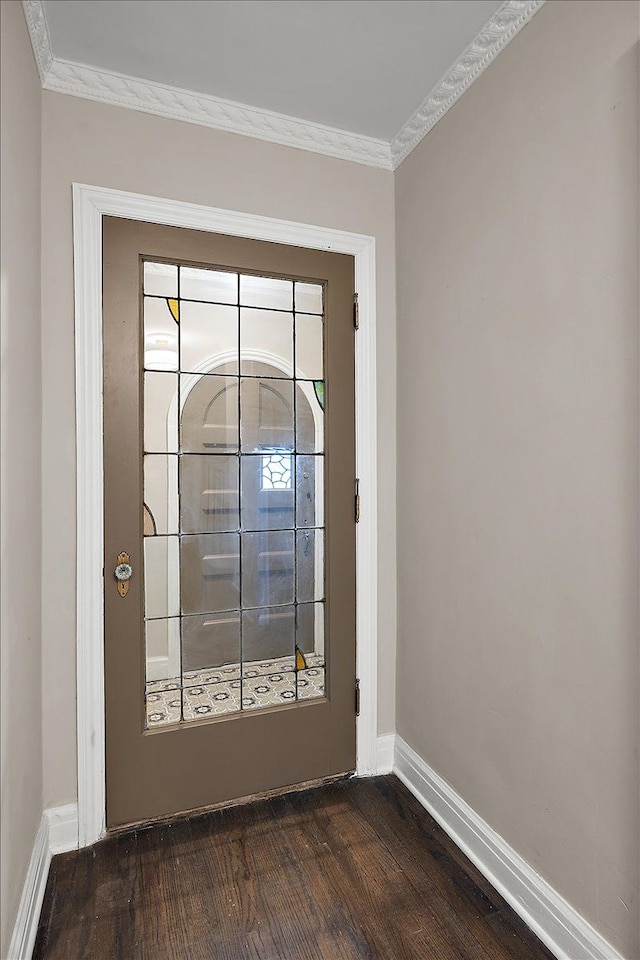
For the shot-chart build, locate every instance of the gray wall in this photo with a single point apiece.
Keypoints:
(113, 147)
(517, 267)
(21, 719)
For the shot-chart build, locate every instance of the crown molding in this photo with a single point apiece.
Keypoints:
(175, 103)
(497, 32)
(39, 33)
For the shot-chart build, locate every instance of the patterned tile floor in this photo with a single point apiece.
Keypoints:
(264, 683)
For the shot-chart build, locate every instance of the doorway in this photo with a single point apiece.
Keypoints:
(90, 205)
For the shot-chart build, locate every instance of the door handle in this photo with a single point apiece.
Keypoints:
(123, 573)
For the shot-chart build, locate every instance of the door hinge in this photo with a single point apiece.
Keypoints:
(356, 312)
(356, 507)
(357, 698)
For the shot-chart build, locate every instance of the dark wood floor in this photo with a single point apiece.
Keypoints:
(348, 870)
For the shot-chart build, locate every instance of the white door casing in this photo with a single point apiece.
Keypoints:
(90, 204)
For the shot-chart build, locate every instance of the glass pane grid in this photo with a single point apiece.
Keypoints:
(234, 497)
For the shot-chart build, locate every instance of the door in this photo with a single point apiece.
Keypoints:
(229, 518)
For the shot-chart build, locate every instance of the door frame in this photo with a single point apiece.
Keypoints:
(90, 204)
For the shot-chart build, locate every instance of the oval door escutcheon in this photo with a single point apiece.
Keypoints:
(123, 573)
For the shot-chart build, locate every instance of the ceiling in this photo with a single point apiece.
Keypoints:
(362, 66)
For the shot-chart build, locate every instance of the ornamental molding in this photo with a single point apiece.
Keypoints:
(503, 26)
(175, 103)
(39, 33)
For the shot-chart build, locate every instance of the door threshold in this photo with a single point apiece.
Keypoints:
(125, 828)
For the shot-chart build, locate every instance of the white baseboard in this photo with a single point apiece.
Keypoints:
(63, 828)
(560, 927)
(26, 925)
(384, 753)
(57, 833)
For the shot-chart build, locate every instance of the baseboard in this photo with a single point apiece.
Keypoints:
(57, 833)
(384, 753)
(560, 927)
(26, 925)
(63, 828)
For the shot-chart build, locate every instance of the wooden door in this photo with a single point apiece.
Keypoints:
(229, 480)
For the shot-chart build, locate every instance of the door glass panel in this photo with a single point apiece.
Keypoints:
(267, 491)
(268, 568)
(214, 286)
(308, 347)
(310, 565)
(268, 662)
(161, 493)
(266, 292)
(308, 298)
(311, 660)
(161, 577)
(210, 648)
(309, 491)
(163, 694)
(160, 413)
(209, 494)
(310, 416)
(208, 337)
(211, 665)
(160, 279)
(233, 493)
(160, 333)
(266, 415)
(208, 414)
(210, 565)
(266, 342)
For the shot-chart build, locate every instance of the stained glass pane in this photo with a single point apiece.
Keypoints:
(160, 279)
(266, 343)
(210, 647)
(160, 413)
(268, 568)
(160, 334)
(308, 297)
(210, 565)
(214, 286)
(309, 565)
(310, 491)
(208, 337)
(209, 414)
(311, 660)
(310, 400)
(209, 494)
(266, 292)
(266, 415)
(161, 577)
(309, 347)
(161, 492)
(268, 657)
(211, 665)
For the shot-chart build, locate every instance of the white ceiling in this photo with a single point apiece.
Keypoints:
(359, 65)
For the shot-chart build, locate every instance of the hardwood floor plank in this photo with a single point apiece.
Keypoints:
(129, 921)
(345, 871)
(424, 855)
(366, 871)
(338, 927)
